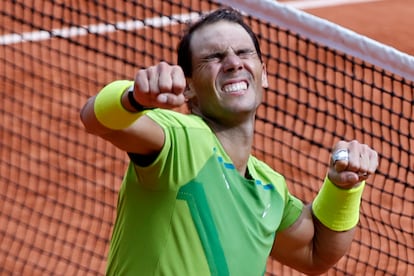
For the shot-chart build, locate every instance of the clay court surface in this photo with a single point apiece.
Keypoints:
(42, 225)
(390, 21)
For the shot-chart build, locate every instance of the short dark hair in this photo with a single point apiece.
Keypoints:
(222, 14)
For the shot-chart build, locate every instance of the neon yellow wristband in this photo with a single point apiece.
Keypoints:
(336, 208)
(108, 107)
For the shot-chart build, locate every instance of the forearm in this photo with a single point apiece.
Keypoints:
(89, 120)
(329, 246)
(109, 110)
(335, 214)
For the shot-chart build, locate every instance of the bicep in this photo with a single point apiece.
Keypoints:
(293, 246)
(309, 246)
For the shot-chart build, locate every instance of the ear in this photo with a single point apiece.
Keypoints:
(189, 91)
(265, 83)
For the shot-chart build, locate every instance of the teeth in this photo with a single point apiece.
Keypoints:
(235, 87)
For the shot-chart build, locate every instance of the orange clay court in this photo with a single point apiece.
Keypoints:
(58, 185)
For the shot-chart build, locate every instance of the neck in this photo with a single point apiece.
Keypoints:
(237, 142)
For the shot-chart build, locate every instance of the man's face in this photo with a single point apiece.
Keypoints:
(228, 76)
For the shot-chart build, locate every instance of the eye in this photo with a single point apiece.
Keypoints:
(214, 57)
(245, 53)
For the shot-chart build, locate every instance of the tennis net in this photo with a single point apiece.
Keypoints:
(59, 185)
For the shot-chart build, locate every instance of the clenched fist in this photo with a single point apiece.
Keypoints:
(351, 163)
(161, 85)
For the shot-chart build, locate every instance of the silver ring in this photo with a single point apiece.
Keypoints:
(340, 155)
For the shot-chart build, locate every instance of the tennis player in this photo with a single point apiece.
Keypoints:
(194, 201)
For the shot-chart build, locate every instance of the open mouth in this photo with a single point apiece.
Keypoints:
(235, 87)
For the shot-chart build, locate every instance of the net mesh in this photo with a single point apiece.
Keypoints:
(59, 185)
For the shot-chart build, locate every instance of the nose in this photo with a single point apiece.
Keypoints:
(232, 62)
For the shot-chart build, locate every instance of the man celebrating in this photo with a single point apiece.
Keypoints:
(194, 201)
